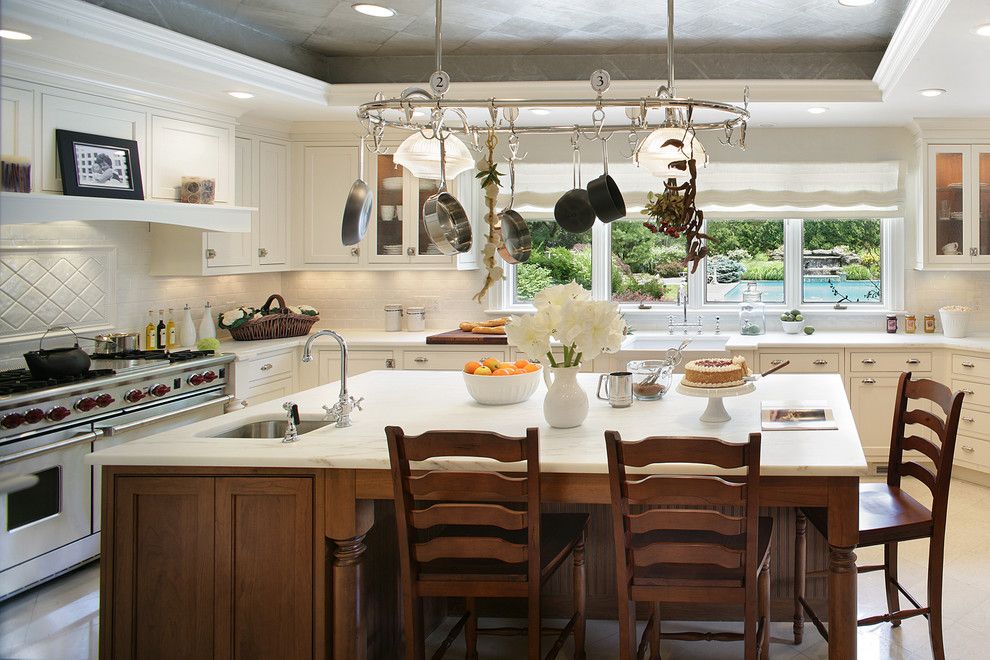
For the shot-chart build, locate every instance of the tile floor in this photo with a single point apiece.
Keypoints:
(59, 621)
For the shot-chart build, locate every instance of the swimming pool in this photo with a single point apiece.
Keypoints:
(773, 291)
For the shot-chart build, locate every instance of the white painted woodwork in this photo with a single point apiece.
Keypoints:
(235, 249)
(327, 173)
(186, 148)
(17, 124)
(358, 362)
(272, 186)
(268, 391)
(802, 363)
(450, 360)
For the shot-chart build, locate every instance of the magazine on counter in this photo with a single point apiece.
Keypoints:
(797, 416)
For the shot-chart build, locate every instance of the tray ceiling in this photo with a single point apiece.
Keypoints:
(770, 39)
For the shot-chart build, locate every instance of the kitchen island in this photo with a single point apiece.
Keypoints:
(215, 546)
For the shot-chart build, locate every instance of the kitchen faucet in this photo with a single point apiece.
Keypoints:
(340, 412)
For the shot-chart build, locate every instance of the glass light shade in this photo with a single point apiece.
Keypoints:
(656, 158)
(421, 156)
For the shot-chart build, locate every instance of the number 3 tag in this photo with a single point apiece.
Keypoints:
(439, 82)
(600, 80)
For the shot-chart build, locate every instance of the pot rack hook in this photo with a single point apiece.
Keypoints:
(727, 129)
(514, 146)
(493, 113)
(632, 140)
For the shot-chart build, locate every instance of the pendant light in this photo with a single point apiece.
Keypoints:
(655, 158)
(421, 156)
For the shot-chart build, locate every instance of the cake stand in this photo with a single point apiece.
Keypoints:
(715, 413)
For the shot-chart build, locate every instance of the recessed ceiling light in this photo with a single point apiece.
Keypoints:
(932, 91)
(856, 3)
(15, 35)
(818, 109)
(539, 111)
(373, 10)
(983, 30)
(241, 95)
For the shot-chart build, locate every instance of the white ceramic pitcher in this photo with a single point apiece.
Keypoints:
(566, 404)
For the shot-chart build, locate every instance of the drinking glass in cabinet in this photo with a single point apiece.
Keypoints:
(949, 221)
(389, 196)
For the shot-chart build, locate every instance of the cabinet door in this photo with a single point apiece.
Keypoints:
(418, 240)
(358, 362)
(273, 202)
(183, 148)
(162, 600)
(949, 204)
(235, 249)
(872, 399)
(392, 212)
(327, 175)
(264, 567)
(17, 122)
(980, 227)
(269, 391)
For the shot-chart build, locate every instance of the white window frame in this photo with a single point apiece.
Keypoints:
(501, 297)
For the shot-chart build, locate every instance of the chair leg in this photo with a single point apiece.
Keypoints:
(627, 629)
(655, 632)
(935, 564)
(800, 572)
(471, 630)
(534, 630)
(415, 641)
(751, 620)
(890, 578)
(579, 595)
(764, 610)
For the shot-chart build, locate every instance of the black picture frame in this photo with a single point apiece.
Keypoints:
(98, 165)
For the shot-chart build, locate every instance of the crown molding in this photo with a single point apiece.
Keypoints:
(917, 23)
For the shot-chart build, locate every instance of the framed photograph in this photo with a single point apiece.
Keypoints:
(98, 166)
(797, 416)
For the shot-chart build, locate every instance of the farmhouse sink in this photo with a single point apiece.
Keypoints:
(269, 428)
(663, 341)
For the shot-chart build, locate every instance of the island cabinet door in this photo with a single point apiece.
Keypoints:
(264, 569)
(163, 567)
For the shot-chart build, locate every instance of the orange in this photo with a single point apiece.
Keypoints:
(471, 367)
(501, 372)
(521, 363)
(482, 371)
(491, 363)
(506, 365)
(530, 368)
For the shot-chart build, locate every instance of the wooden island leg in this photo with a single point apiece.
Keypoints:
(348, 522)
(843, 535)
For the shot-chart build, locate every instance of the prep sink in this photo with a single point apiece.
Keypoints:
(661, 342)
(270, 428)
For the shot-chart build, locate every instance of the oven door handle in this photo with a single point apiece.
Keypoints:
(61, 444)
(110, 431)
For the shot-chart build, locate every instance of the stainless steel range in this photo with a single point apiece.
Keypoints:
(48, 426)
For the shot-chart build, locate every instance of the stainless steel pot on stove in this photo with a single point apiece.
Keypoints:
(116, 342)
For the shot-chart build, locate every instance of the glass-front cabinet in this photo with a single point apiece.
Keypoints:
(398, 235)
(956, 229)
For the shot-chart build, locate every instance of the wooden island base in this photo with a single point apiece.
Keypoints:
(300, 563)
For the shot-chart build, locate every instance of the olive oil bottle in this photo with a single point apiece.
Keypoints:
(150, 332)
(170, 330)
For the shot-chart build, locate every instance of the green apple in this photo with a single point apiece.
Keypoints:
(808, 330)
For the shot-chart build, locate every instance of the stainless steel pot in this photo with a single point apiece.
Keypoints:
(445, 220)
(357, 209)
(116, 342)
(517, 241)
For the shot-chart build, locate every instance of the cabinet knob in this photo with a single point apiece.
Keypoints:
(869, 381)
(211, 253)
(411, 252)
(262, 252)
(967, 448)
(266, 366)
(974, 252)
(968, 392)
(776, 362)
(913, 361)
(389, 363)
(869, 361)
(355, 251)
(421, 359)
(969, 365)
(819, 362)
(968, 420)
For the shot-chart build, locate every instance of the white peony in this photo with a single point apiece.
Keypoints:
(556, 296)
(598, 327)
(531, 333)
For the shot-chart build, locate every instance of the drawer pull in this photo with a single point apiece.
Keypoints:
(266, 366)
(968, 448)
(968, 420)
(776, 362)
(869, 361)
(421, 359)
(869, 381)
(968, 392)
(389, 363)
(969, 365)
(913, 361)
(820, 363)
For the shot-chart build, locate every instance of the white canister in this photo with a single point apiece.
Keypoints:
(415, 319)
(393, 318)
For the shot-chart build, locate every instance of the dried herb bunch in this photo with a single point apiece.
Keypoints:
(673, 211)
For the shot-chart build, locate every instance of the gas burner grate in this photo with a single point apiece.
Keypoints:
(21, 380)
(174, 356)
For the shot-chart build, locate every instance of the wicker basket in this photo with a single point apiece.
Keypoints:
(277, 325)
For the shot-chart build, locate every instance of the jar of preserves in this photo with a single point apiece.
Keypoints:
(910, 324)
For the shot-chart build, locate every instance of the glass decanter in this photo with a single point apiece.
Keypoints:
(752, 312)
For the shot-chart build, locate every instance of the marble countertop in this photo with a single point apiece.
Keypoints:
(418, 401)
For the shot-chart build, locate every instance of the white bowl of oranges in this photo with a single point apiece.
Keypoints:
(495, 383)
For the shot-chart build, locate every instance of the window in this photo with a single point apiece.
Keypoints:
(558, 257)
(841, 262)
(646, 267)
(742, 251)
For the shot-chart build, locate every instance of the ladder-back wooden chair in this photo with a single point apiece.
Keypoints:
(684, 554)
(888, 515)
(480, 534)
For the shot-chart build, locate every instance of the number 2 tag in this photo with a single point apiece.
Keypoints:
(439, 82)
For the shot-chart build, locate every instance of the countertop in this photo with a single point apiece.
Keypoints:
(421, 400)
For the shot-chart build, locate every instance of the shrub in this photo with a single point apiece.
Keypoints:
(531, 279)
(739, 254)
(857, 272)
(772, 270)
(871, 260)
(671, 269)
(725, 270)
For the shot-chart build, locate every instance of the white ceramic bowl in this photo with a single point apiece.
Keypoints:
(502, 390)
(793, 327)
(392, 183)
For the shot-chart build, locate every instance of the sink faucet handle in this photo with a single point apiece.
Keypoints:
(293, 411)
(357, 403)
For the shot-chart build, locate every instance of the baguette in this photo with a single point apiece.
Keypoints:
(486, 330)
(467, 326)
(494, 323)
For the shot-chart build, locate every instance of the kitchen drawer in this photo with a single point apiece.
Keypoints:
(975, 422)
(802, 363)
(447, 360)
(269, 367)
(872, 361)
(977, 394)
(269, 391)
(970, 366)
(973, 451)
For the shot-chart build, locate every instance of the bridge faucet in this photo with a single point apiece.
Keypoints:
(340, 412)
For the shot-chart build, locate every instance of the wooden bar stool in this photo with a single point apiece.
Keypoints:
(888, 515)
(457, 537)
(688, 555)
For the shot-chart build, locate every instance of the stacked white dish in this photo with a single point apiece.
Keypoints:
(393, 250)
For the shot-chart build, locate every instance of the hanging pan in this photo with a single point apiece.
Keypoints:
(357, 209)
(517, 242)
(604, 194)
(445, 220)
(573, 211)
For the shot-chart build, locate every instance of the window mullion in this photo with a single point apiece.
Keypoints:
(793, 262)
(601, 261)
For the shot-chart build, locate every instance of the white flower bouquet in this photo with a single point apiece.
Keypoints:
(586, 328)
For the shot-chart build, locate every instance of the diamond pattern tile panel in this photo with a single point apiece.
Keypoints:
(40, 287)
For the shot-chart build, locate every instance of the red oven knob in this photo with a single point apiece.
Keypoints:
(134, 396)
(34, 415)
(12, 421)
(209, 376)
(160, 390)
(57, 414)
(104, 400)
(195, 379)
(85, 404)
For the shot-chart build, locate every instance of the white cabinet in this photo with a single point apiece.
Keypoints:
(326, 175)
(186, 148)
(272, 200)
(266, 376)
(17, 123)
(227, 249)
(358, 362)
(872, 399)
(955, 231)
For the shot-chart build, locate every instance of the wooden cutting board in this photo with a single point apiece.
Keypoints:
(467, 338)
